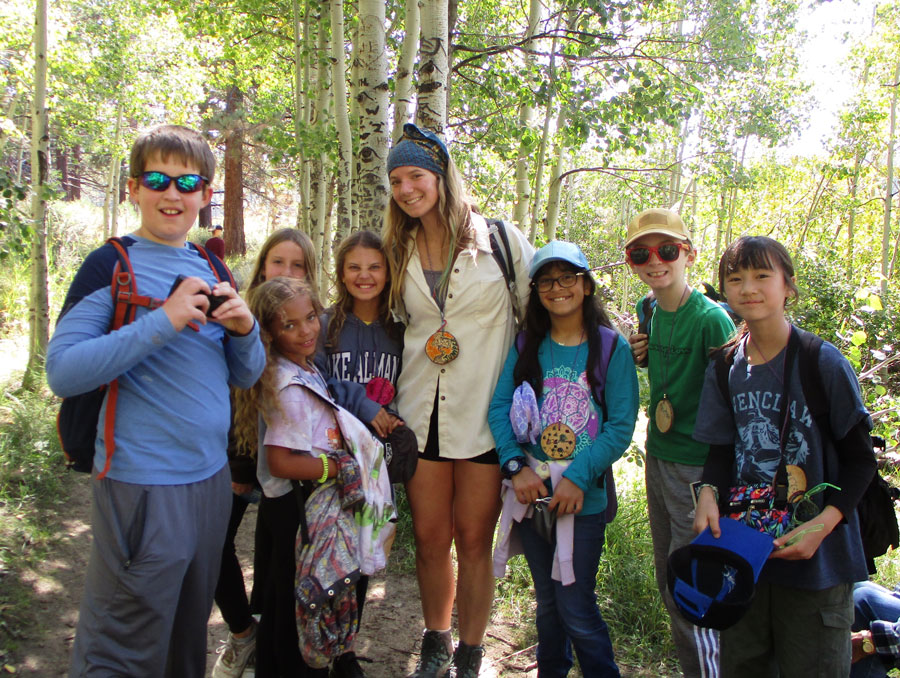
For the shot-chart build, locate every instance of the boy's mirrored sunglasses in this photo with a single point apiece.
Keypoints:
(640, 255)
(186, 183)
(546, 284)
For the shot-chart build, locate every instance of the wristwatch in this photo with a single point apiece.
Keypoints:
(513, 466)
(868, 646)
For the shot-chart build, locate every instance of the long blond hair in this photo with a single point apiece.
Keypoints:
(454, 212)
(295, 236)
(266, 302)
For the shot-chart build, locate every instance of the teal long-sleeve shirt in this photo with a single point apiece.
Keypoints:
(566, 397)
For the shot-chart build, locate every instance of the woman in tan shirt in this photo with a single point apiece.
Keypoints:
(451, 292)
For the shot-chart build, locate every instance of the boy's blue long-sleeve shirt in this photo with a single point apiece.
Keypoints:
(173, 410)
(599, 443)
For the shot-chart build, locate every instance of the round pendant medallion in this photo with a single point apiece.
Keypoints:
(441, 348)
(558, 441)
(665, 415)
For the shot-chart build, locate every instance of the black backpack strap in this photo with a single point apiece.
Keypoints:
(609, 338)
(722, 359)
(502, 254)
(811, 381)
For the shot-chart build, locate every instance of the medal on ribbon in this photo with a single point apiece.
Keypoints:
(664, 415)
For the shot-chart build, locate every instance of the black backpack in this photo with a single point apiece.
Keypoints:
(877, 518)
(79, 416)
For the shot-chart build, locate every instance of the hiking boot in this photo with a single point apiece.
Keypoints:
(467, 661)
(234, 655)
(347, 666)
(434, 660)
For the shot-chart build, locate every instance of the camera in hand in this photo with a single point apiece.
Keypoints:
(215, 300)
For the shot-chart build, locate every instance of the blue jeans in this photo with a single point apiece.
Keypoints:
(872, 602)
(568, 616)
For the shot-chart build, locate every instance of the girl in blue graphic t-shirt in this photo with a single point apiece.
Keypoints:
(799, 620)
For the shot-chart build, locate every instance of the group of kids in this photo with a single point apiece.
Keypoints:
(423, 334)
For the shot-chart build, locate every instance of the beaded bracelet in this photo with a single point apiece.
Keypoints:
(324, 458)
(712, 487)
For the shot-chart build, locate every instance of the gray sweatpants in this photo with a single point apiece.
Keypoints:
(151, 577)
(671, 511)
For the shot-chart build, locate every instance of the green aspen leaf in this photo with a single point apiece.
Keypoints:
(858, 338)
(875, 302)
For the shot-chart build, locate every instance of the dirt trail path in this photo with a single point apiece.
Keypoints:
(391, 624)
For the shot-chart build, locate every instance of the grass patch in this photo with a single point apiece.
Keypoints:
(33, 489)
(626, 583)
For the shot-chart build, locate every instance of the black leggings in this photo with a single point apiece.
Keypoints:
(231, 596)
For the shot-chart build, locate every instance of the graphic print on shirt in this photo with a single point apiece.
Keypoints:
(567, 399)
(758, 452)
(335, 439)
(369, 364)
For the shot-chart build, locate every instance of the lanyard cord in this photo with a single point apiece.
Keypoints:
(665, 369)
(553, 367)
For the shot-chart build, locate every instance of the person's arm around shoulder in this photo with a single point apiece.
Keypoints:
(718, 328)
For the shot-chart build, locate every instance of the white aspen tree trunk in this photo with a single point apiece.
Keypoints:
(554, 192)
(555, 189)
(115, 167)
(319, 120)
(39, 307)
(114, 216)
(301, 78)
(889, 186)
(373, 97)
(342, 121)
(434, 67)
(354, 130)
(526, 113)
(20, 158)
(542, 148)
(403, 91)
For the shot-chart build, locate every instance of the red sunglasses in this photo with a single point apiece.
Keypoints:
(640, 254)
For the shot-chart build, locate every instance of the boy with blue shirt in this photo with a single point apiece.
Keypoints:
(161, 501)
(685, 326)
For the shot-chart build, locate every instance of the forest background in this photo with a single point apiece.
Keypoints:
(566, 117)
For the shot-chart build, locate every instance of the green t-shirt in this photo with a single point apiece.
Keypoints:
(677, 360)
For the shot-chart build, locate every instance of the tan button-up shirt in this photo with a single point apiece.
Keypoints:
(479, 313)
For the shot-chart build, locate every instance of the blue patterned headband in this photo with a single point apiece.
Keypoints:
(419, 148)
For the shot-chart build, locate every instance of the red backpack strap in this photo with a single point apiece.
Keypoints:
(215, 269)
(126, 299)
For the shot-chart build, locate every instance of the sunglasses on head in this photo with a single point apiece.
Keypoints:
(186, 183)
(640, 254)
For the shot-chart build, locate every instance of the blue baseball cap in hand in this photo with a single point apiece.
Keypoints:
(713, 580)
